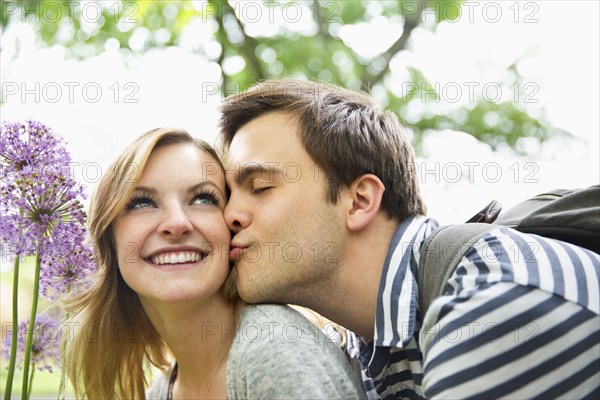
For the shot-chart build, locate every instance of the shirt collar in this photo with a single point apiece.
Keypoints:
(395, 321)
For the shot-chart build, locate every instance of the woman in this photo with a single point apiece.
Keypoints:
(162, 292)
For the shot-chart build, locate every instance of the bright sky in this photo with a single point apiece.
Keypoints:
(99, 104)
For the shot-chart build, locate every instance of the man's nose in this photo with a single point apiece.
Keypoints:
(236, 216)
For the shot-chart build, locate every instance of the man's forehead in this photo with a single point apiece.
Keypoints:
(266, 139)
(254, 146)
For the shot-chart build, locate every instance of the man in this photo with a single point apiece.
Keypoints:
(326, 214)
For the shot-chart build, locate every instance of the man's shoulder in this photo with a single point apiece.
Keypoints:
(510, 246)
(507, 255)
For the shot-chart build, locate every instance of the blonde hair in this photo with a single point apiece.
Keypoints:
(115, 342)
(335, 332)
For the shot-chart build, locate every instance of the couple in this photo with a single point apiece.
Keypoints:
(324, 213)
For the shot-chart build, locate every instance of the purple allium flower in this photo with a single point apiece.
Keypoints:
(63, 271)
(45, 349)
(45, 208)
(39, 202)
(30, 144)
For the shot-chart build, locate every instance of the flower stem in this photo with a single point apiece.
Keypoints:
(63, 373)
(15, 330)
(30, 380)
(29, 342)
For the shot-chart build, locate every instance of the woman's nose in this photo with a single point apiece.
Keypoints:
(175, 223)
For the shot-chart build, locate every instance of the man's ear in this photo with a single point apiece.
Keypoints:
(364, 197)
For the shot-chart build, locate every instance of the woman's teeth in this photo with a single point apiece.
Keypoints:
(176, 257)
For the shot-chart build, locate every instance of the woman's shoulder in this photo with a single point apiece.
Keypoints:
(279, 323)
(271, 313)
(279, 328)
(277, 351)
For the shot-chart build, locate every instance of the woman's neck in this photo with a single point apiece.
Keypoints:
(199, 336)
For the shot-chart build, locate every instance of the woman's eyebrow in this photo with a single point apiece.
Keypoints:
(145, 189)
(191, 189)
(202, 184)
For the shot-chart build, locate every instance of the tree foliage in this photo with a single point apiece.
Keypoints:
(312, 48)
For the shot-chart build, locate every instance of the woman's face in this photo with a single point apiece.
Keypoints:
(172, 241)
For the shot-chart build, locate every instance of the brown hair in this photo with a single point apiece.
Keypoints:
(112, 363)
(344, 132)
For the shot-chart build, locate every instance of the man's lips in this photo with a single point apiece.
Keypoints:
(236, 250)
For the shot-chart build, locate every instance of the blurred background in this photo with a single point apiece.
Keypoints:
(500, 98)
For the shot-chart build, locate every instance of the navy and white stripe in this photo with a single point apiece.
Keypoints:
(519, 319)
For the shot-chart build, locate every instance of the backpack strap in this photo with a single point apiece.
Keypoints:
(572, 216)
(488, 214)
(440, 255)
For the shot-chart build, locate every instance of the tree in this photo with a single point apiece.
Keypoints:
(309, 48)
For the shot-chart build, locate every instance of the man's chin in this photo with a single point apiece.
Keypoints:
(252, 296)
(247, 289)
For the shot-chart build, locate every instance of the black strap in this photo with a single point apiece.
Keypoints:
(172, 382)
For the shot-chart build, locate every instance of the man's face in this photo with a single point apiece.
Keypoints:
(287, 237)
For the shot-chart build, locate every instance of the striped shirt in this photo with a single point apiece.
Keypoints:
(519, 319)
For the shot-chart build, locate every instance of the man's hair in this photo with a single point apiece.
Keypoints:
(344, 132)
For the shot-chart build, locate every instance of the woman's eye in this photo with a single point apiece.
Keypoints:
(140, 202)
(206, 198)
